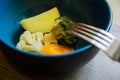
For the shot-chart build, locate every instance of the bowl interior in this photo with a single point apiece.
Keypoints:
(93, 12)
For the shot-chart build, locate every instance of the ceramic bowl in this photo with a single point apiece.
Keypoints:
(93, 12)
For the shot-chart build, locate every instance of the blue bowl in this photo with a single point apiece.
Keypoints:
(93, 12)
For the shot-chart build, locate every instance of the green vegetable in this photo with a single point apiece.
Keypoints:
(62, 24)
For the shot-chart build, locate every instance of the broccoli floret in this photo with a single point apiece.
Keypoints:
(62, 24)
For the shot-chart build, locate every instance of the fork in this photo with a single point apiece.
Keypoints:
(99, 38)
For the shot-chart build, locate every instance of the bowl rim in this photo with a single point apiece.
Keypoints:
(66, 54)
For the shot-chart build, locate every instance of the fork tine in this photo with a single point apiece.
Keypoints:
(96, 33)
(94, 42)
(100, 40)
(97, 30)
(92, 34)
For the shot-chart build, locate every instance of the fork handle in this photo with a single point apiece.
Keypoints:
(114, 53)
(118, 54)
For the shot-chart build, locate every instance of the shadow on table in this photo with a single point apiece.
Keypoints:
(43, 75)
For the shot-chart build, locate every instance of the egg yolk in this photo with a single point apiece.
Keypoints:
(53, 49)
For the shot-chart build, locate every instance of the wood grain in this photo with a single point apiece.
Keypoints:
(115, 6)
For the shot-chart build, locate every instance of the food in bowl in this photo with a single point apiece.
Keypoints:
(93, 12)
(46, 33)
(42, 22)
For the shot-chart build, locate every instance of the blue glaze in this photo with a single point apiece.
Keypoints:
(11, 13)
(93, 12)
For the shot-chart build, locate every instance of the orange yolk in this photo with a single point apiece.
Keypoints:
(53, 49)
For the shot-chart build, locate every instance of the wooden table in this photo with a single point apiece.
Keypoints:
(115, 6)
(100, 68)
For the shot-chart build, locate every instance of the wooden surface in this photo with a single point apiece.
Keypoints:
(115, 6)
(100, 68)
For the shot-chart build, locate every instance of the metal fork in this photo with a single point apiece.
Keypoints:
(99, 38)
